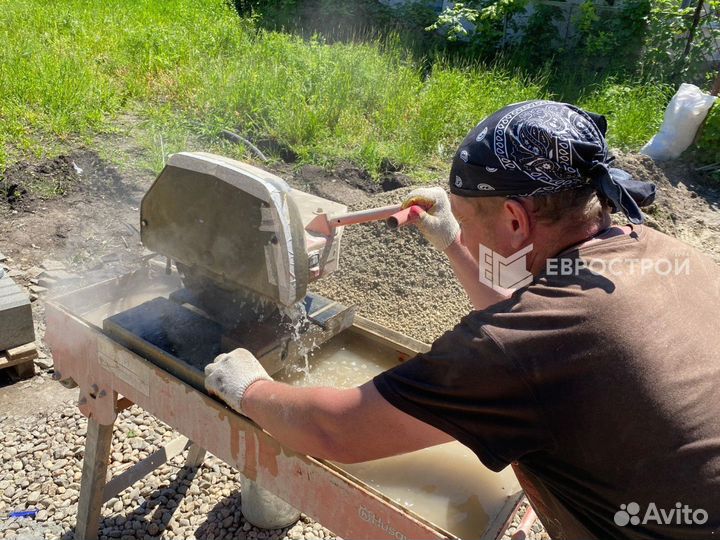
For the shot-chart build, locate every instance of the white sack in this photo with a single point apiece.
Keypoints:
(683, 116)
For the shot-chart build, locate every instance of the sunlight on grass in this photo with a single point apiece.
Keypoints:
(193, 67)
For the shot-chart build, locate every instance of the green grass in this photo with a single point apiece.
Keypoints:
(188, 68)
(634, 113)
(707, 149)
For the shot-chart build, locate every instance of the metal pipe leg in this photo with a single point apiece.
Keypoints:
(94, 474)
(196, 456)
(263, 509)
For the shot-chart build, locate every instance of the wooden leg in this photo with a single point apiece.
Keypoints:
(25, 370)
(196, 456)
(95, 464)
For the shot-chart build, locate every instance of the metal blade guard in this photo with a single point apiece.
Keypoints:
(238, 237)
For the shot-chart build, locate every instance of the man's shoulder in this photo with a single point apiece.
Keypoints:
(593, 294)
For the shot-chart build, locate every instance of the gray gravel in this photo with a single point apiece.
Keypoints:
(396, 278)
(40, 468)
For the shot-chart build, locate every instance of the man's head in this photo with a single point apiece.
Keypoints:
(536, 172)
(507, 224)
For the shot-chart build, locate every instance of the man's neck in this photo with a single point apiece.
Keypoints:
(560, 239)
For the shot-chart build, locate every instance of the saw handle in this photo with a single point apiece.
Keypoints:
(405, 216)
(395, 216)
(363, 216)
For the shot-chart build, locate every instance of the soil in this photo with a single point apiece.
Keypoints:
(57, 176)
(97, 213)
(687, 205)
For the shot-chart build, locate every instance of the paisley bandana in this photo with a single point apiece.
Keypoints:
(541, 147)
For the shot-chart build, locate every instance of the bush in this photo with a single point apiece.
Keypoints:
(645, 39)
(707, 149)
(665, 43)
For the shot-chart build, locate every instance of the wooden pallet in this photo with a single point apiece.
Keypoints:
(20, 359)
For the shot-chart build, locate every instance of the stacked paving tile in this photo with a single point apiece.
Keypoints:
(16, 323)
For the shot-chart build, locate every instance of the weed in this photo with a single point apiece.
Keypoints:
(707, 150)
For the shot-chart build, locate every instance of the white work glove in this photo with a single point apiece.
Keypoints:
(437, 223)
(231, 374)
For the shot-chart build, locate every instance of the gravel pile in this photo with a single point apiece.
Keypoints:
(396, 278)
(41, 470)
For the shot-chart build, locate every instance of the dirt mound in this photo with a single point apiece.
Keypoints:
(686, 205)
(96, 217)
(82, 171)
(275, 147)
(348, 188)
(346, 183)
(24, 181)
(391, 181)
(102, 178)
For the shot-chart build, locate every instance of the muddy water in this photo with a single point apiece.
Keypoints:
(446, 484)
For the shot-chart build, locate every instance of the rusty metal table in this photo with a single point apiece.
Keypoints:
(111, 378)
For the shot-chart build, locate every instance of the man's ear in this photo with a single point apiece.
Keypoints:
(518, 222)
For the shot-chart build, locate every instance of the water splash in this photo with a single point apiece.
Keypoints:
(297, 322)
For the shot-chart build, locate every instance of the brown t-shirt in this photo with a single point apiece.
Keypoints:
(601, 386)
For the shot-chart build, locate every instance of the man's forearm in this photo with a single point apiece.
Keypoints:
(345, 425)
(467, 271)
(297, 417)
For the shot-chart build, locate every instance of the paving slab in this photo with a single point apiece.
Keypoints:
(16, 322)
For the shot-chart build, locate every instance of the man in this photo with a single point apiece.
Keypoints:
(599, 383)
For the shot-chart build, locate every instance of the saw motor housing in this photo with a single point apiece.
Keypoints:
(238, 237)
(239, 226)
